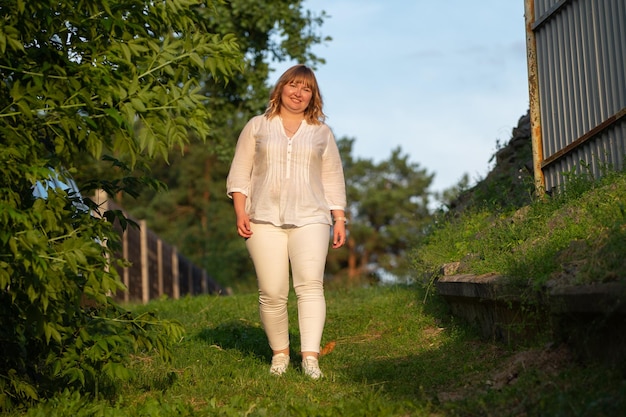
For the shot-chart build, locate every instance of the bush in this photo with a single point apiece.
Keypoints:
(60, 327)
(93, 80)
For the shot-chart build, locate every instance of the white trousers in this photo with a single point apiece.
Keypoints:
(272, 250)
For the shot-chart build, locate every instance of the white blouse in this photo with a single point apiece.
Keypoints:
(288, 181)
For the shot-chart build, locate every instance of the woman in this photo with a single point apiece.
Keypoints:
(287, 185)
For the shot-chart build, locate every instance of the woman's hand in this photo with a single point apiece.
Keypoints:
(243, 221)
(243, 226)
(339, 228)
(339, 234)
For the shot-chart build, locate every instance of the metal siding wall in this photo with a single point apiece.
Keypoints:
(543, 6)
(581, 53)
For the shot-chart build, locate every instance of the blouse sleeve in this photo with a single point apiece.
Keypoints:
(332, 176)
(240, 173)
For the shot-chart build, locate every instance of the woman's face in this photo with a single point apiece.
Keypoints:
(295, 97)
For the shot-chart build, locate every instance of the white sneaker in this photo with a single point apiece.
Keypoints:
(311, 367)
(280, 362)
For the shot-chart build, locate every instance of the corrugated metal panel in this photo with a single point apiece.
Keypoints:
(581, 82)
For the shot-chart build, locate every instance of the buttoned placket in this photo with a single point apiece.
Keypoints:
(289, 149)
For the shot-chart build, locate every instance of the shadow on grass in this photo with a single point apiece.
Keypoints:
(529, 382)
(422, 377)
(470, 376)
(246, 337)
(241, 335)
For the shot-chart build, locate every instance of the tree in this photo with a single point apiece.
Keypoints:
(82, 79)
(387, 209)
(195, 214)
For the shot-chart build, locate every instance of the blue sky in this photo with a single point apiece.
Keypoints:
(444, 81)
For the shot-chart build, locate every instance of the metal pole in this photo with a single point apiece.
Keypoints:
(533, 92)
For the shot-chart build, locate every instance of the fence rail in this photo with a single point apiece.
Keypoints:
(156, 268)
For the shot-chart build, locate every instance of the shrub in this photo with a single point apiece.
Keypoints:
(60, 327)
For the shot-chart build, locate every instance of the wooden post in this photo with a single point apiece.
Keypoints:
(175, 275)
(160, 266)
(126, 271)
(190, 277)
(205, 282)
(145, 279)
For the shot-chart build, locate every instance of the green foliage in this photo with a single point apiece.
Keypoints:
(120, 79)
(387, 208)
(118, 75)
(59, 326)
(70, 403)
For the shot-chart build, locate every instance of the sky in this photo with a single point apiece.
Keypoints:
(443, 81)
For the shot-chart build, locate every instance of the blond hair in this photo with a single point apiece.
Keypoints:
(313, 114)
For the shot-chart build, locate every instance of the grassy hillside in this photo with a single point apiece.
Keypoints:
(387, 353)
(577, 236)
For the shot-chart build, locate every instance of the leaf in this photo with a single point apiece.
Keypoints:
(197, 60)
(133, 87)
(3, 43)
(138, 105)
(117, 371)
(94, 145)
(22, 387)
(50, 332)
(328, 348)
(32, 293)
(75, 374)
(115, 115)
(125, 51)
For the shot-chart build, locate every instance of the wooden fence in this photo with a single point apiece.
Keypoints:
(156, 268)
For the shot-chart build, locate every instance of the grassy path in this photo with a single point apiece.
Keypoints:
(389, 354)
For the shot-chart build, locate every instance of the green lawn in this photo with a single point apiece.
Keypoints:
(393, 355)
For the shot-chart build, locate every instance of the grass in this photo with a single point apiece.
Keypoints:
(390, 354)
(577, 235)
